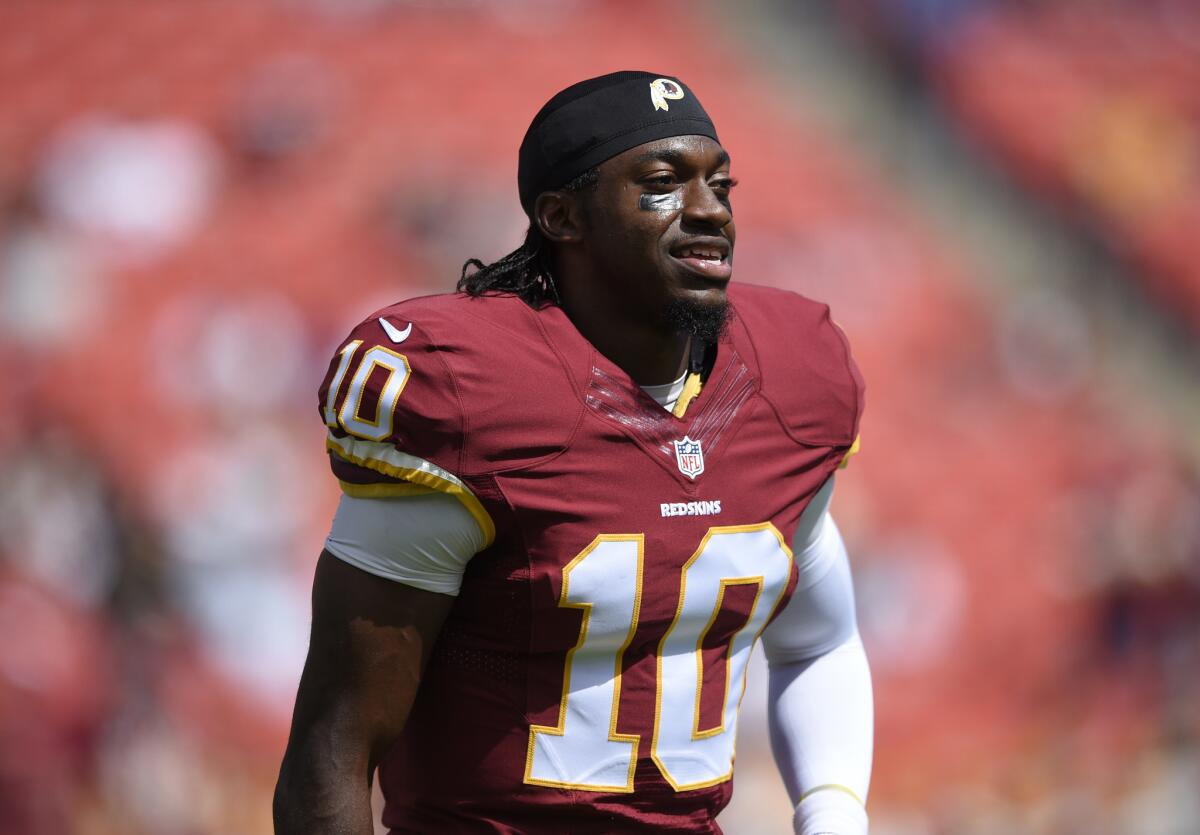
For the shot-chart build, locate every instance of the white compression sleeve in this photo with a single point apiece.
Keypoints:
(821, 717)
(820, 709)
(423, 541)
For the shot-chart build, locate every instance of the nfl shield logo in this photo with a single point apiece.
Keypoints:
(689, 457)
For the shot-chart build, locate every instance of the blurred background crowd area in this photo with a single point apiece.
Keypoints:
(999, 199)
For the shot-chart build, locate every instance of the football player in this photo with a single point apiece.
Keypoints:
(576, 493)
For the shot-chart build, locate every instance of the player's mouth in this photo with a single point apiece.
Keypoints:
(708, 257)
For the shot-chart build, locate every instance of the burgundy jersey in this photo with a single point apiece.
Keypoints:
(589, 674)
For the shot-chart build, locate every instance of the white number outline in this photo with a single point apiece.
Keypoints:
(559, 729)
(659, 680)
(346, 354)
(348, 417)
(723, 583)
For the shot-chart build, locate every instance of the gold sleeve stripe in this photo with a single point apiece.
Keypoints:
(384, 491)
(837, 787)
(386, 459)
(691, 388)
(850, 453)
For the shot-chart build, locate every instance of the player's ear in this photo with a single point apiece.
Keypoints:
(558, 217)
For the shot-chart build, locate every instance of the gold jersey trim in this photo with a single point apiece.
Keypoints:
(691, 388)
(837, 787)
(384, 491)
(415, 472)
(850, 453)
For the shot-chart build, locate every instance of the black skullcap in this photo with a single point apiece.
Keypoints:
(599, 118)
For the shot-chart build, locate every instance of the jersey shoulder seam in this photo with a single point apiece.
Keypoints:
(545, 343)
(770, 401)
(463, 417)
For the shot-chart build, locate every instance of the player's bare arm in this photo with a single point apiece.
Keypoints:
(371, 639)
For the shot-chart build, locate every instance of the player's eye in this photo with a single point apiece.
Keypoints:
(723, 184)
(663, 179)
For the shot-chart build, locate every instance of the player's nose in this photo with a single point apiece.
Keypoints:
(702, 205)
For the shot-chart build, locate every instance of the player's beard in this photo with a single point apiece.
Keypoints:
(706, 322)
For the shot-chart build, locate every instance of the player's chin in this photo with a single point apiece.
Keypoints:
(704, 314)
(701, 289)
(703, 292)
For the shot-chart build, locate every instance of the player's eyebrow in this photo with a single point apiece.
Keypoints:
(673, 157)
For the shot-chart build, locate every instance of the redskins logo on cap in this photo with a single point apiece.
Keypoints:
(662, 89)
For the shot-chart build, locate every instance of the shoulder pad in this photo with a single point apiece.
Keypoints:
(467, 383)
(804, 364)
(388, 384)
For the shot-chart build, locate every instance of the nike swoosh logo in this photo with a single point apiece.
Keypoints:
(394, 333)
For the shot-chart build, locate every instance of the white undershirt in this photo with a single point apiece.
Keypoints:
(667, 394)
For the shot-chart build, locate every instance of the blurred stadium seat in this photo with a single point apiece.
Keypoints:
(1094, 105)
(197, 201)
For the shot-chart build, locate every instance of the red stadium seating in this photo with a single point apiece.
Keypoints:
(1097, 108)
(361, 159)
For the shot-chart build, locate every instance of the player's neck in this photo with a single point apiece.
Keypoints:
(649, 354)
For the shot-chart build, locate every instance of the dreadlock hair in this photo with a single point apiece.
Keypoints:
(524, 272)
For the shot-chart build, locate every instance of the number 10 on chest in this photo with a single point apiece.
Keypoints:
(584, 750)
